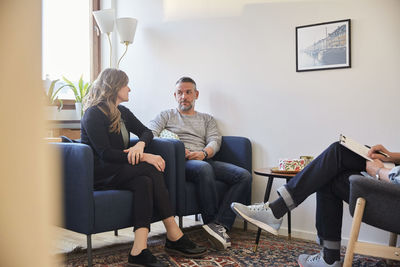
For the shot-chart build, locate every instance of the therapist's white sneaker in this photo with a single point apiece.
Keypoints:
(258, 214)
(316, 260)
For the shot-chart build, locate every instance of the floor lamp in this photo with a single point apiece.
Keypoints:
(126, 28)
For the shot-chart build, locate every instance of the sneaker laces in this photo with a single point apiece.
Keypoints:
(222, 230)
(258, 206)
(314, 258)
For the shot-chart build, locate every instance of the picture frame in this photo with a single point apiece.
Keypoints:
(323, 46)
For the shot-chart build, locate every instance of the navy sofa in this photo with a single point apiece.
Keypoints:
(89, 212)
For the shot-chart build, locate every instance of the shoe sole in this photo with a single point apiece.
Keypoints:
(177, 252)
(135, 265)
(218, 241)
(257, 223)
(217, 245)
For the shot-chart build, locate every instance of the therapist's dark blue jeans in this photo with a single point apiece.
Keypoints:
(328, 175)
(205, 174)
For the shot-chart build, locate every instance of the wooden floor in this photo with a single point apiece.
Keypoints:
(67, 241)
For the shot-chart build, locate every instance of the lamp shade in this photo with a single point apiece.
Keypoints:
(126, 28)
(105, 19)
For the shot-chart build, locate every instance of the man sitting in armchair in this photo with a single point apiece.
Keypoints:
(202, 140)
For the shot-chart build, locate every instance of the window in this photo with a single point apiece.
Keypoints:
(68, 46)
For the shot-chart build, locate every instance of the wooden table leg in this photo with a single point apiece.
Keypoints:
(268, 190)
(266, 198)
(257, 239)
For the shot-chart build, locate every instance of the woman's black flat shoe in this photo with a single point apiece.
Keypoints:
(145, 258)
(184, 246)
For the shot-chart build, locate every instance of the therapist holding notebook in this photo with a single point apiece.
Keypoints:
(328, 176)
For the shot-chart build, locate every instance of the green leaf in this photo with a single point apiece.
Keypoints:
(50, 93)
(68, 81)
(79, 91)
(73, 88)
(81, 83)
(61, 104)
(56, 92)
(85, 90)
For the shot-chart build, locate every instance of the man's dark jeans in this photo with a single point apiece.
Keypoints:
(328, 175)
(205, 174)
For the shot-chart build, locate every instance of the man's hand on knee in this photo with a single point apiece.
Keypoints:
(195, 155)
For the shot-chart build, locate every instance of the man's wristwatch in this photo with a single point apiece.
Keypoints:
(205, 154)
(377, 174)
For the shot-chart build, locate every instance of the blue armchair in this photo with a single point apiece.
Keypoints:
(234, 149)
(89, 212)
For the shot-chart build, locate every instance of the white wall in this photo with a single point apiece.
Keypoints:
(245, 69)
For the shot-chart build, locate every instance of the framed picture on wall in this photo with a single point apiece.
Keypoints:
(323, 46)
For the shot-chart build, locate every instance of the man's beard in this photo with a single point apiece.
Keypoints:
(185, 108)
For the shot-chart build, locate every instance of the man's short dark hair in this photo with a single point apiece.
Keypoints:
(186, 80)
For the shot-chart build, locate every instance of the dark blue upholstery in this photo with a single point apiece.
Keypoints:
(77, 186)
(87, 211)
(234, 149)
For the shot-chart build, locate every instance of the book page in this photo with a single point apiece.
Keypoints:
(360, 149)
(354, 146)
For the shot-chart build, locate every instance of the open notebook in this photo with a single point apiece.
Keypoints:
(361, 150)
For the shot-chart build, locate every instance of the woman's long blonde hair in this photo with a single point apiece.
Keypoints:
(104, 94)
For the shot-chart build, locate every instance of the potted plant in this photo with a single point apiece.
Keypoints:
(80, 91)
(51, 99)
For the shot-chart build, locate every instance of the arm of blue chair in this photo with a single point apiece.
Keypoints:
(236, 150)
(179, 150)
(178, 172)
(77, 182)
(166, 150)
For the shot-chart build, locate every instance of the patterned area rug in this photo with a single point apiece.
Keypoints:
(272, 251)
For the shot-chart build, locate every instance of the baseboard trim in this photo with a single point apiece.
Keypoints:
(283, 231)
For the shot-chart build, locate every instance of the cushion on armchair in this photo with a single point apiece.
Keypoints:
(168, 134)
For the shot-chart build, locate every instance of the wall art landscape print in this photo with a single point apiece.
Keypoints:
(323, 46)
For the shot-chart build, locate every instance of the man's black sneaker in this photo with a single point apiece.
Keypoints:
(145, 258)
(184, 246)
(217, 235)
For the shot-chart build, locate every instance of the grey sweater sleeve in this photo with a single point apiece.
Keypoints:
(213, 137)
(159, 123)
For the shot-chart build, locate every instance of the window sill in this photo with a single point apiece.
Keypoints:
(68, 104)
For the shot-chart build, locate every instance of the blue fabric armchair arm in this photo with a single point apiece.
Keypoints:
(236, 150)
(166, 150)
(77, 181)
(179, 151)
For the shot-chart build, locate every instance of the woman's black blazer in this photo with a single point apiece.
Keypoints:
(108, 147)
